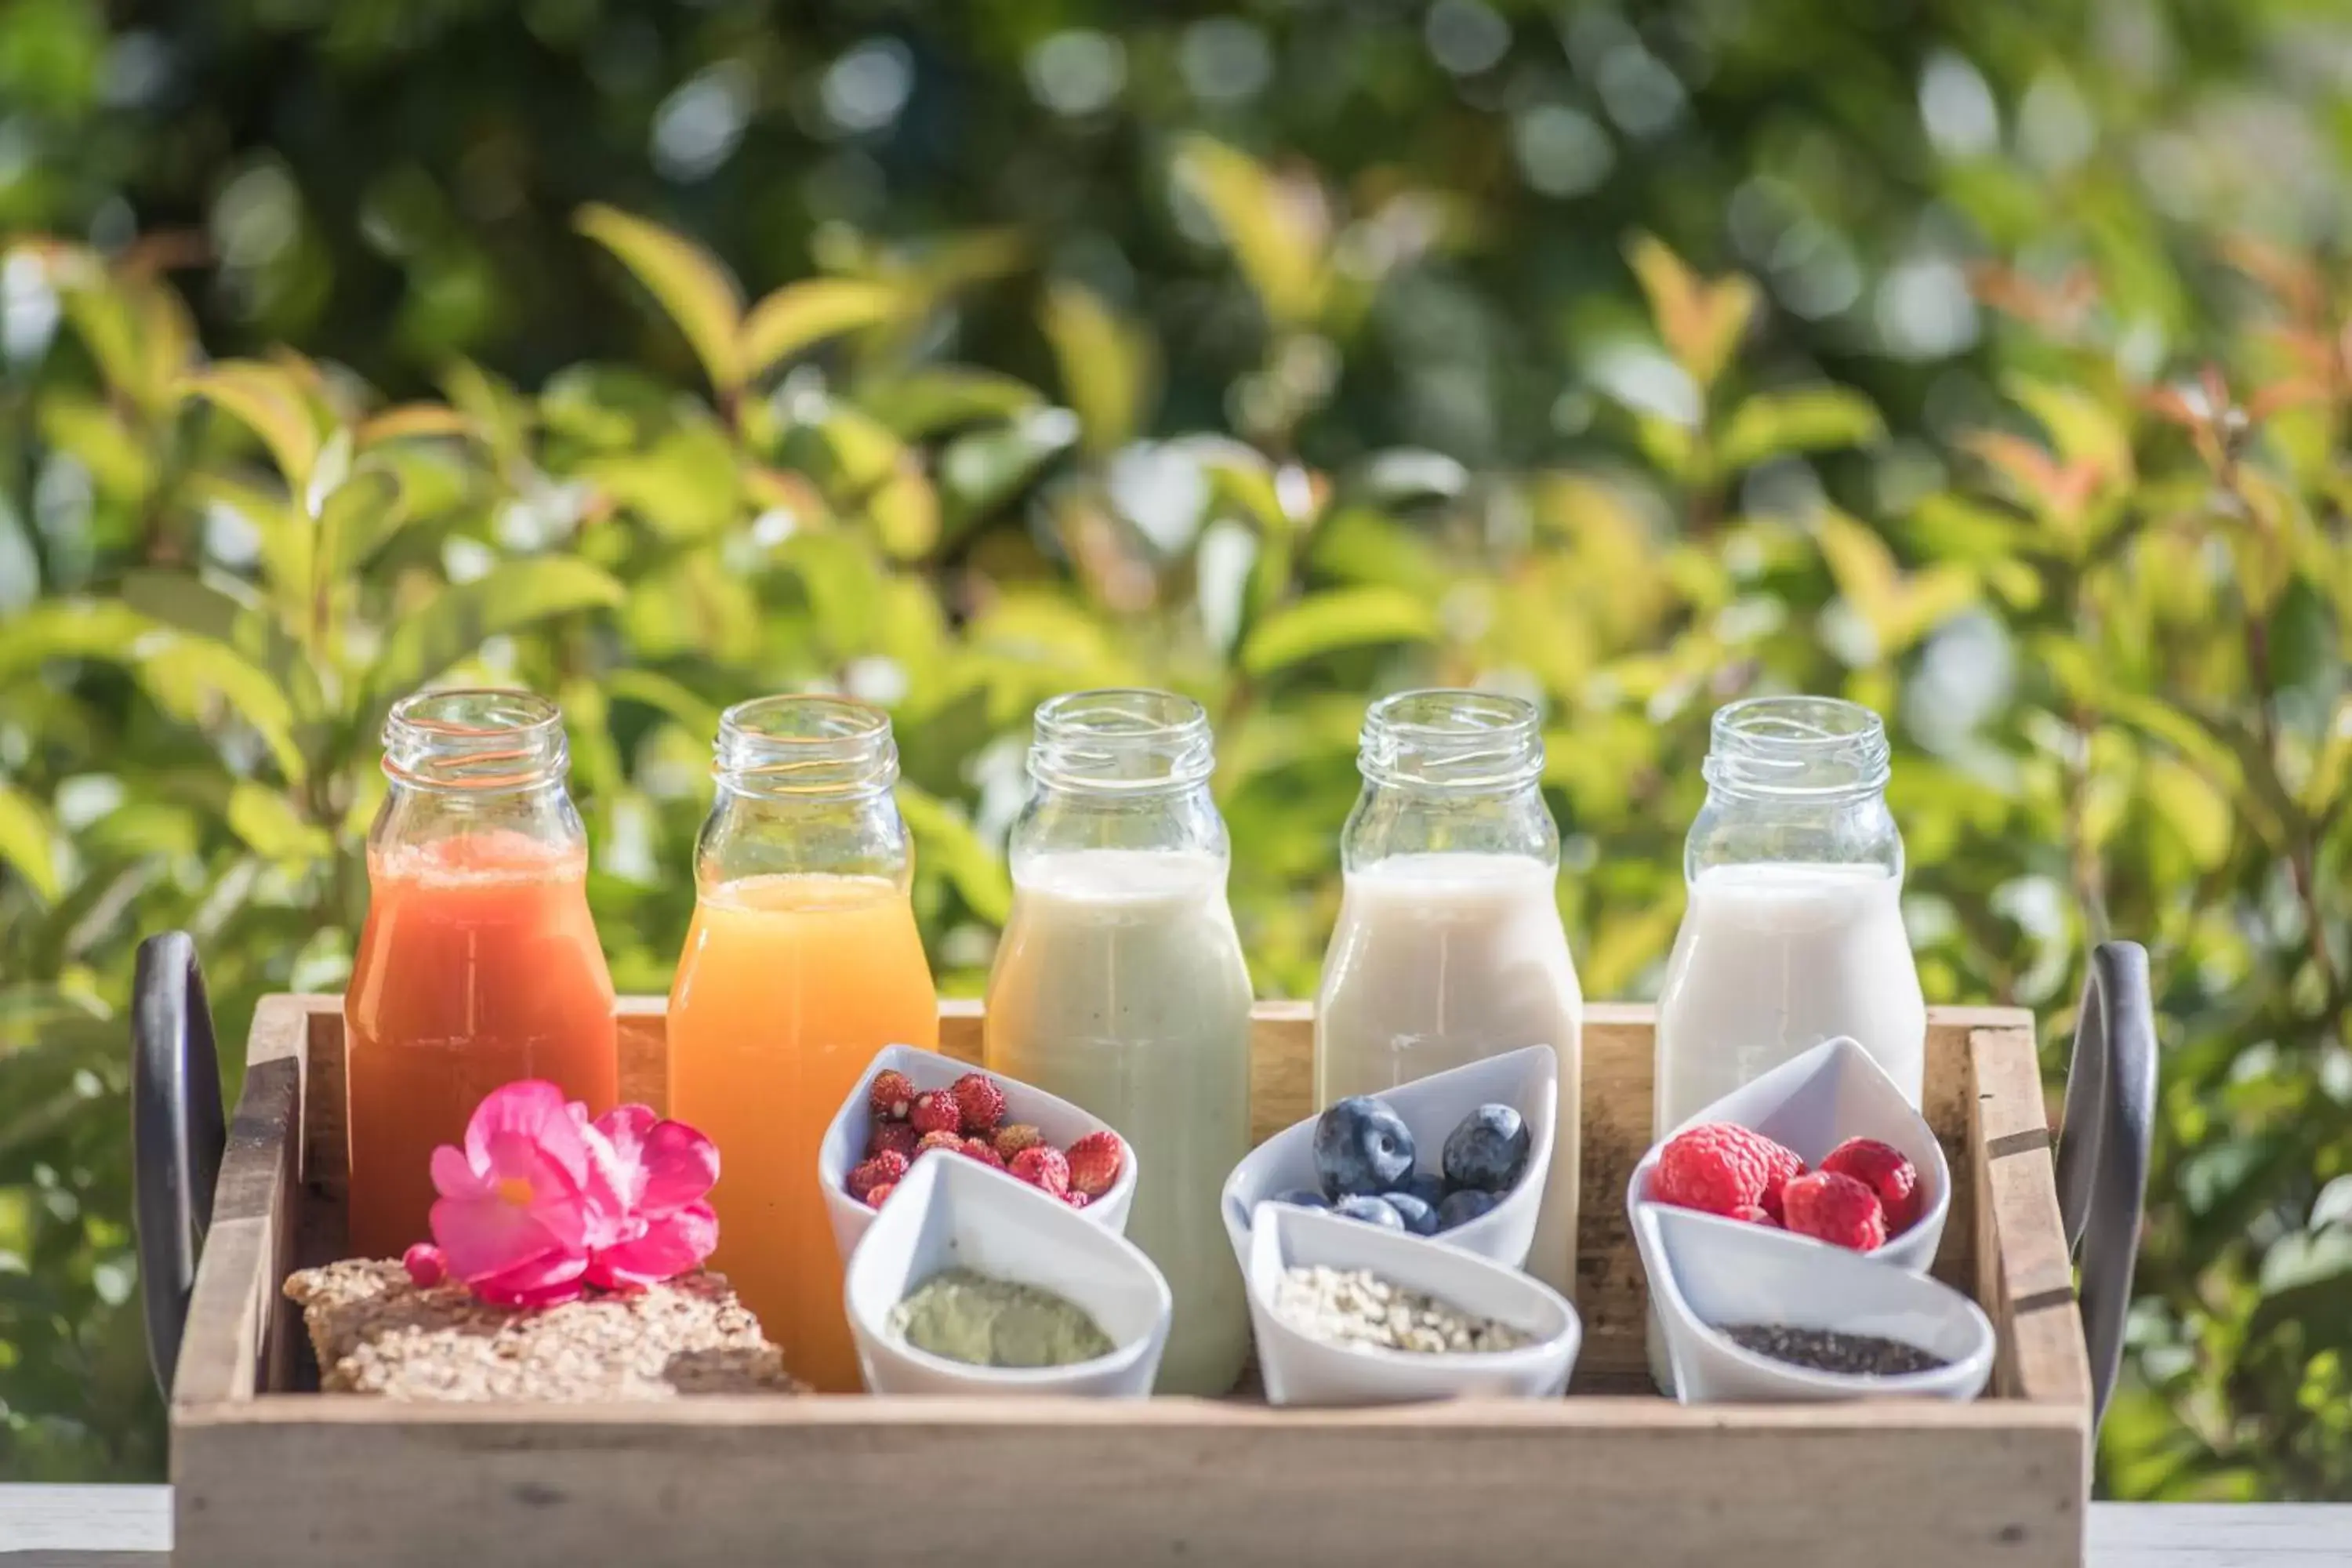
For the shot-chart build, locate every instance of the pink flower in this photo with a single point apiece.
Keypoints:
(541, 1202)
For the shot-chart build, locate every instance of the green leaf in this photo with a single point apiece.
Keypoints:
(2197, 812)
(923, 403)
(980, 471)
(1808, 419)
(944, 840)
(2082, 429)
(874, 472)
(67, 628)
(458, 621)
(685, 487)
(359, 518)
(799, 315)
(691, 287)
(1276, 238)
(27, 843)
(1342, 618)
(1700, 322)
(272, 826)
(98, 438)
(190, 677)
(1109, 368)
(667, 697)
(219, 610)
(268, 402)
(498, 413)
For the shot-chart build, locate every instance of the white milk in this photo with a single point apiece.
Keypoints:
(1773, 959)
(1119, 985)
(1440, 960)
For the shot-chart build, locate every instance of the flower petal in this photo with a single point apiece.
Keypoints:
(535, 1111)
(556, 1200)
(544, 1283)
(480, 1237)
(680, 1167)
(623, 1131)
(670, 1247)
(455, 1177)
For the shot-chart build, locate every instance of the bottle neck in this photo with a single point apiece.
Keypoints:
(481, 764)
(1123, 770)
(1796, 780)
(805, 790)
(1449, 773)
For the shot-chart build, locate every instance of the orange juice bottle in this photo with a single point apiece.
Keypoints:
(803, 962)
(479, 964)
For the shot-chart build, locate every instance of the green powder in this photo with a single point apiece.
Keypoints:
(970, 1318)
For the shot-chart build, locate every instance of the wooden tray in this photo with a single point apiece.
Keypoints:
(268, 1473)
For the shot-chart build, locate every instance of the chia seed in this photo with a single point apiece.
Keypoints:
(1827, 1350)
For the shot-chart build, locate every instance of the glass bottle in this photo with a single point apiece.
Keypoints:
(1793, 934)
(802, 962)
(1449, 947)
(1119, 984)
(478, 965)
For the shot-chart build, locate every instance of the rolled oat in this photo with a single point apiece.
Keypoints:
(1357, 1309)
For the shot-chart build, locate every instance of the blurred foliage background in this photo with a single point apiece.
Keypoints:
(1987, 364)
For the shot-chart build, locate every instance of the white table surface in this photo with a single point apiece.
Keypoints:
(130, 1527)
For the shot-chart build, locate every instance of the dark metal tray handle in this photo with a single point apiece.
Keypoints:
(178, 1131)
(2104, 1138)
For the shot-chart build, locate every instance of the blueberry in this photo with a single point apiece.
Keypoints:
(1464, 1206)
(1305, 1197)
(1426, 1185)
(1361, 1147)
(1371, 1211)
(1488, 1150)
(1419, 1217)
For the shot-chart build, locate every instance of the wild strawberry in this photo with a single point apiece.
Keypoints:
(1020, 1135)
(1076, 1199)
(894, 1137)
(983, 1151)
(1885, 1170)
(935, 1111)
(884, 1167)
(879, 1196)
(891, 1095)
(1042, 1167)
(951, 1141)
(1717, 1168)
(1095, 1163)
(980, 1101)
(1836, 1209)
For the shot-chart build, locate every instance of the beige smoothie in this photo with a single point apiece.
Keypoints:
(1440, 960)
(1119, 985)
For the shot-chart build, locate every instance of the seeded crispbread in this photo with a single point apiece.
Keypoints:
(376, 1332)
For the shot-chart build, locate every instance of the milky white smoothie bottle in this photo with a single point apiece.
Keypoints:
(1449, 947)
(1119, 985)
(1793, 934)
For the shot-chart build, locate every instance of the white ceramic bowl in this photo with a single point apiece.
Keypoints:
(1062, 1123)
(960, 1213)
(1527, 1080)
(1811, 1103)
(1705, 1272)
(1300, 1370)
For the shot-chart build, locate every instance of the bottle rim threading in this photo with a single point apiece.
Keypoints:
(475, 737)
(1452, 740)
(1817, 747)
(806, 745)
(1121, 740)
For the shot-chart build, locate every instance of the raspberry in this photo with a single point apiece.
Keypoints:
(1044, 1166)
(891, 1095)
(1095, 1163)
(1010, 1140)
(1885, 1170)
(1756, 1214)
(1717, 1168)
(878, 1195)
(951, 1141)
(935, 1111)
(980, 1101)
(896, 1137)
(985, 1153)
(1076, 1199)
(884, 1167)
(1836, 1209)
